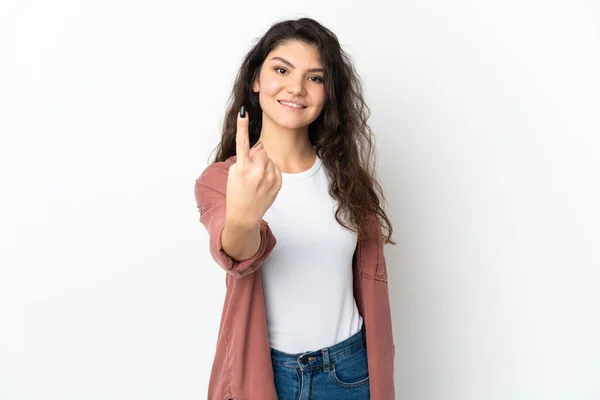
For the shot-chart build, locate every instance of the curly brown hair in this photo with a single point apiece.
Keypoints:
(341, 136)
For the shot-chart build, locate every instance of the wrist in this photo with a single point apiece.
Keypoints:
(241, 224)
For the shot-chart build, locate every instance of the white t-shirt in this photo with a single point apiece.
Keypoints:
(307, 278)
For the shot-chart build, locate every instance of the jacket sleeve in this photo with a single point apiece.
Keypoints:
(209, 191)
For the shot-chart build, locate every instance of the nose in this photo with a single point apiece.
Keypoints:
(296, 86)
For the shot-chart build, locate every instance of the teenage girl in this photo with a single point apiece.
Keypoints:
(286, 202)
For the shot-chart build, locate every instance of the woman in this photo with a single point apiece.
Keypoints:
(293, 212)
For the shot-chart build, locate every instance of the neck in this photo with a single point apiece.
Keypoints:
(289, 149)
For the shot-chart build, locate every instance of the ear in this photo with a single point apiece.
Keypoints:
(256, 86)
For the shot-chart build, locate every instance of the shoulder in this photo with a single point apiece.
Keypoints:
(215, 175)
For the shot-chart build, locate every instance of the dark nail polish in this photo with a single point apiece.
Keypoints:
(243, 112)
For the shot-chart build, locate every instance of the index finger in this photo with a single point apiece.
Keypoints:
(242, 139)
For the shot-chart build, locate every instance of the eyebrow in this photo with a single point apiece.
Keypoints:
(283, 60)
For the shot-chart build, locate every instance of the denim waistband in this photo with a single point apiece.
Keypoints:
(321, 358)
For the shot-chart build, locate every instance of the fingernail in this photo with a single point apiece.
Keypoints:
(243, 112)
(257, 144)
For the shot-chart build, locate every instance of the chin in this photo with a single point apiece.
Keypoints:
(289, 121)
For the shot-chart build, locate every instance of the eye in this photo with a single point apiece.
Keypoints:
(318, 79)
(280, 69)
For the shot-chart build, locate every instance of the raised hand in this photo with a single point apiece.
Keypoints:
(254, 180)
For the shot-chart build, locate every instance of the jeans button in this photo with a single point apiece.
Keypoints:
(304, 360)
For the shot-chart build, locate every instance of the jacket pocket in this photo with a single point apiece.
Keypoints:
(379, 275)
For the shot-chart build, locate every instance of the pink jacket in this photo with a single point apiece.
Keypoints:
(242, 366)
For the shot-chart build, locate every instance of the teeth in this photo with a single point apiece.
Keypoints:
(291, 104)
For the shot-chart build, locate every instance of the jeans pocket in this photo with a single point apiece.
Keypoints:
(351, 371)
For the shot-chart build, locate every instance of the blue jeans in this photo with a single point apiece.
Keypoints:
(332, 373)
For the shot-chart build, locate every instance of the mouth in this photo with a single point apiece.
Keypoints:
(292, 105)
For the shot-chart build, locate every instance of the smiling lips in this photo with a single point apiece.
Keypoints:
(291, 105)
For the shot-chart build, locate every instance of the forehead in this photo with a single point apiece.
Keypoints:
(300, 54)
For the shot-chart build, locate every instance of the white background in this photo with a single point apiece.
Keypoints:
(487, 122)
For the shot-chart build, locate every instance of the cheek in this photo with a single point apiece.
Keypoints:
(319, 97)
(270, 86)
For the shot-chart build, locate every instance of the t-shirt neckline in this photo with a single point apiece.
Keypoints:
(304, 174)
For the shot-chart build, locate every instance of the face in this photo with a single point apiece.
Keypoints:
(291, 73)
